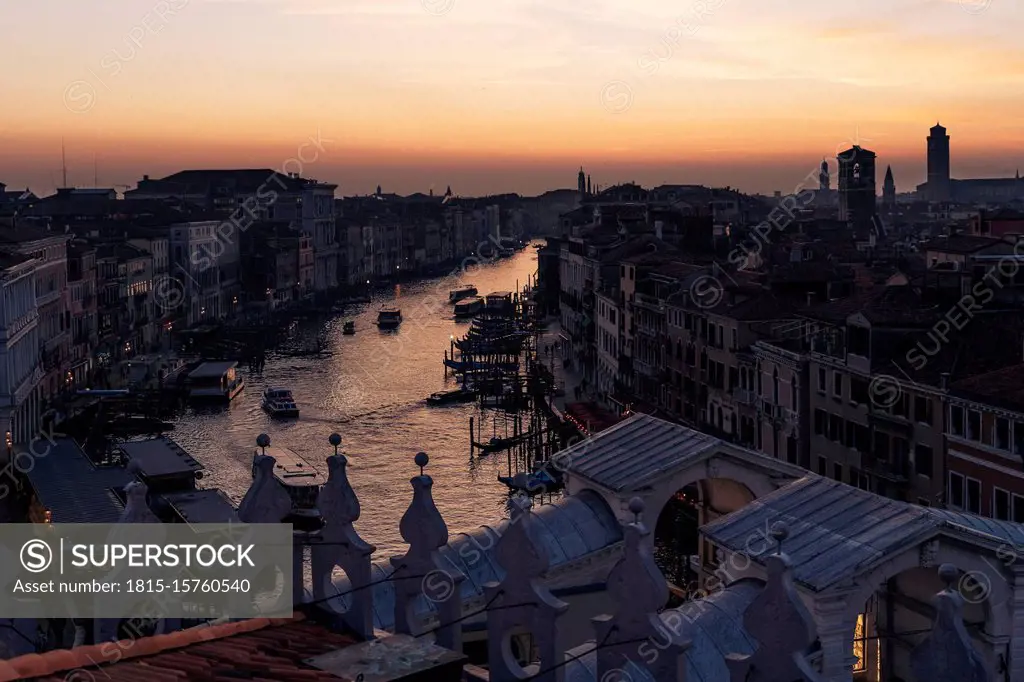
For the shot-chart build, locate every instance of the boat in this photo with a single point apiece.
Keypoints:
(544, 480)
(458, 395)
(302, 483)
(456, 295)
(349, 329)
(214, 382)
(280, 403)
(389, 318)
(469, 307)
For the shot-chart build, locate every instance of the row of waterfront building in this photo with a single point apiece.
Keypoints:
(887, 355)
(90, 278)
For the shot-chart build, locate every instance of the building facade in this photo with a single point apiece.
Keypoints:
(20, 367)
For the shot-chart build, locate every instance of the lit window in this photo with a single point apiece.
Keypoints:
(859, 643)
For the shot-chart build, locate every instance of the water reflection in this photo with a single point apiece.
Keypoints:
(371, 390)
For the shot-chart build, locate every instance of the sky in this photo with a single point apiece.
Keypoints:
(495, 96)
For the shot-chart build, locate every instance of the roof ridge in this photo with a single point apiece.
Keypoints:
(96, 655)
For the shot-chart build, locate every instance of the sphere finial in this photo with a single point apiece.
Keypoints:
(335, 440)
(421, 459)
(948, 574)
(636, 507)
(263, 441)
(780, 531)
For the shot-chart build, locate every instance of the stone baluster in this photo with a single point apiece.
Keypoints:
(136, 511)
(948, 655)
(781, 624)
(422, 574)
(640, 590)
(265, 501)
(521, 602)
(340, 545)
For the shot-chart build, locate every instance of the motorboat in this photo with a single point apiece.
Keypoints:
(280, 403)
(469, 307)
(458, 395)
(302, 483)
(349, 329)
(389, 318)
(456, 295)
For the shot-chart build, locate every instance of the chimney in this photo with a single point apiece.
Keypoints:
(145, 178)
(944, 381)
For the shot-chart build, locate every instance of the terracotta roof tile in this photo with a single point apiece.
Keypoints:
(260, 648)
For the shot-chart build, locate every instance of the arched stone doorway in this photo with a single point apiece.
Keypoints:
(678, 549)
(890, 612)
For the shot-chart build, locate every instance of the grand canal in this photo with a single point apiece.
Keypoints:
(371, 391)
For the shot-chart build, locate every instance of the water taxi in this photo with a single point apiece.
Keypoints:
(280, 403)
(389, 318)
(215, 382)
(302, 483)
(349, 329)
(456, 295)
(469, 307)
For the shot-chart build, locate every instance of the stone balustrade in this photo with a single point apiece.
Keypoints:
(775, 637)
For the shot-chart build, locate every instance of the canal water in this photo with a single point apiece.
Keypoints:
(371, 391)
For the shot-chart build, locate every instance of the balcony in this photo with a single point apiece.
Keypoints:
(891, 422)
(895, 469)
(744, 396)
(645, 368)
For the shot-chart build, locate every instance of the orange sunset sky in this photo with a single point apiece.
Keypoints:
(506, 95)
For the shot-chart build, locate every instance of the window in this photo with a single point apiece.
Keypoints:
(923, 460)
(860, 641)
(922, 410)
(1001, 433)
(974, 425)
(1000, 504)
(859, 391)
(837, 471)
(956, 490)
(821, 380)
(820, 420)
(924, 502)
(1018, 508)
(822, 466)
(956, 420)
(1018, 438)
(973, 496)
(837, 385)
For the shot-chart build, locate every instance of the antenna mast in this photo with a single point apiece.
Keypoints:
(63, 163)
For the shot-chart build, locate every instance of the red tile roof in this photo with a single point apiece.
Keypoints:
(257, 649)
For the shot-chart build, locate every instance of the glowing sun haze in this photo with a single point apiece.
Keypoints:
(507, 95)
